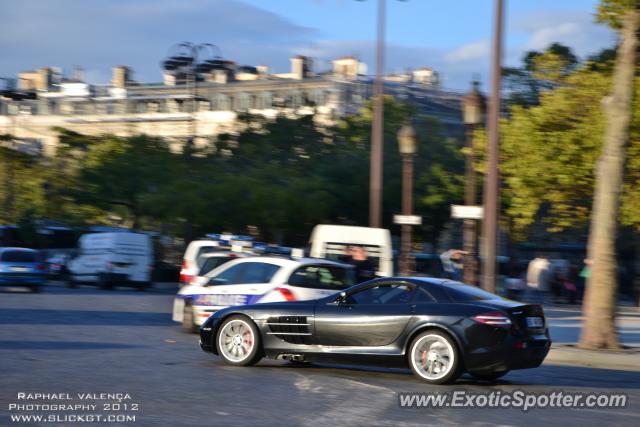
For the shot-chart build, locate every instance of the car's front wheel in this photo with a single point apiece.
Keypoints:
(238, 341)
(434, 357)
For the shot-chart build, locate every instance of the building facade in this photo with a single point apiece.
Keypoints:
(201, 101)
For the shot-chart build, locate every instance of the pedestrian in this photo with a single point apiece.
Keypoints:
(452, 263)
(365, 269)
(538, 279)
(514, 283)
(569, 284)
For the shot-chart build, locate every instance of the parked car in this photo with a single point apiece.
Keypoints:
(439, 328)
(192, 259)
(109, 259)
(255, 280)
(22, 267)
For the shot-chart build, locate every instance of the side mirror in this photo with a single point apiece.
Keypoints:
(342, 298)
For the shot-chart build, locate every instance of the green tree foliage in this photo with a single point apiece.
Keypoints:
(282, 175)
(540, 72)
(549, 152)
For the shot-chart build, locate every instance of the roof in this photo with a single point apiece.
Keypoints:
(18, 249)
(288, 261)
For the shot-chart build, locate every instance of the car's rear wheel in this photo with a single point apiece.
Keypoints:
(238, 341)
(434, 357)
(188, 319)
(489, 376)
(35, 288)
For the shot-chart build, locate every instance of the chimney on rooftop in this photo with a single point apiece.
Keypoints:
(301, 67)
(121, 76)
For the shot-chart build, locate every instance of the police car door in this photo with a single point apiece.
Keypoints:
(244, 283)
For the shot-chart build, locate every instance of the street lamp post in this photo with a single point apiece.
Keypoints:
(187, 59)
(377, 125)
(407, 147)
(473, 115)
(491, 187)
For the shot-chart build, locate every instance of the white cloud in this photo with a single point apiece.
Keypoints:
(469, 52)
(575, 29)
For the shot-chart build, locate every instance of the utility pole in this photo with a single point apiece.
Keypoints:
(375, 179)
(491, 185)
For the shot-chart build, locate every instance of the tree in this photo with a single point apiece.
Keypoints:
(600, 299)
(540, 72)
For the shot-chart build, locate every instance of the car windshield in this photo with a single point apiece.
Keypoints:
(460, 292)
(213, 262)
(18, 256)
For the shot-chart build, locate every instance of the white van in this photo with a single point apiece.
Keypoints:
(331, 242)
(108, 259)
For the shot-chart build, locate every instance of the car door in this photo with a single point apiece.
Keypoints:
(372, 316)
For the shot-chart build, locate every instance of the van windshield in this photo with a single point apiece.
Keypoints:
(340, 252)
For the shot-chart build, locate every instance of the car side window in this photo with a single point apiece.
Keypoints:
(322, 277)
(422, 296)
(258, 272)
(399, 293)
(231, 275)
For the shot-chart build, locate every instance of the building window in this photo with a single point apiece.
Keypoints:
(295, 99)
(318, 97)
(242, 102)
(221, 102)
(264, 101)
(141, 107)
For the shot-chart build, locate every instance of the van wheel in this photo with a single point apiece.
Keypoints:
(35, 289)
(143, 286)
(188, 320)
(103, 283)
(72, 284)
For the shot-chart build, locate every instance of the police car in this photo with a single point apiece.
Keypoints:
(257, 279)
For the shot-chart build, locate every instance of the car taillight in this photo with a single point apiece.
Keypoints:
(40, 267)
(184, 277)
(493, 318)
(286, 293)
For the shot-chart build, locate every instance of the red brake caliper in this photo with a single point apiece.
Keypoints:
(249, 342)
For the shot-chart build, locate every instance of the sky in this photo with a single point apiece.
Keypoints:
(452, 37)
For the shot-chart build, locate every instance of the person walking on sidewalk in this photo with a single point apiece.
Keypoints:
(538, 274)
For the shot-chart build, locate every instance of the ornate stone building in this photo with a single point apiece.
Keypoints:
(202, 101)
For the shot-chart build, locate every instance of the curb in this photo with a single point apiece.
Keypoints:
(624, 360)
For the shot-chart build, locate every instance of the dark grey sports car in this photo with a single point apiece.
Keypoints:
(439, 328)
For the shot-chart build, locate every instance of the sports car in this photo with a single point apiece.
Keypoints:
(438, 328)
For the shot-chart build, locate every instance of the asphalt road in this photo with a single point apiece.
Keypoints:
(89, 341)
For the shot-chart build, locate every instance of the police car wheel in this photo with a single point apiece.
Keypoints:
(238, 341)
(188, 320)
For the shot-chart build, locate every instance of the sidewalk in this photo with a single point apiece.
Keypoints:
(568, 354)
